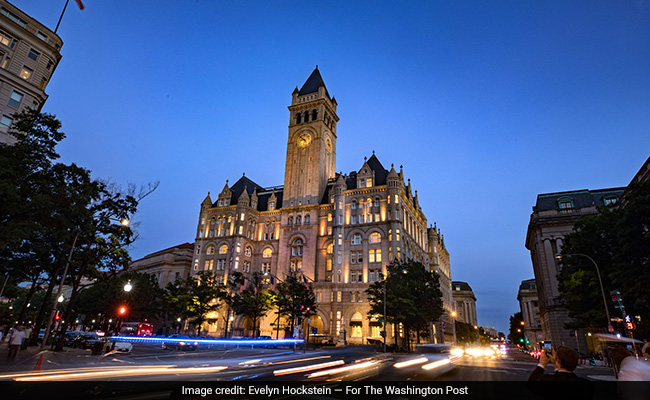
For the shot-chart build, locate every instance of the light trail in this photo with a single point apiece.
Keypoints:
(436, 364)
(408, 363)
(121, 372)
(342, 369)
(307, 368)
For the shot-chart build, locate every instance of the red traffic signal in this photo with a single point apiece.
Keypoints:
(122, 310)
(57, 317)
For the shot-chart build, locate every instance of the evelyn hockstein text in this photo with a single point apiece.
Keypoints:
(324, 390)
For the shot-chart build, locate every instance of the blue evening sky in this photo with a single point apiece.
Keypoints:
(486, 104)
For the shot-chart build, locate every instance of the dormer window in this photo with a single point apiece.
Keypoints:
(271, 206)
(565, 203)
(609, 200)
(368, 182)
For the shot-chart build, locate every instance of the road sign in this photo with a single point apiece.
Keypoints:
(616, 319)
(630, 326)
(610, 328)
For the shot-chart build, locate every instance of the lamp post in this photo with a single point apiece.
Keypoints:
(453, 320)
(384, 315)
(602, 290)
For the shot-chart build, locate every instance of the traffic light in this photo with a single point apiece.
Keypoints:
(521, 340)
(57, 317)
(122, 310)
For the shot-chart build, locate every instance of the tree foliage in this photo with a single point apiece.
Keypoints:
(254, 301)
(515, 323)
(295, 299)
(413, 296)
(618, 240)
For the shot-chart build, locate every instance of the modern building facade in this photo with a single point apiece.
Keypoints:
(529, 304)
(553, 217)
(29, 54)
(464, 302)
(340, 231)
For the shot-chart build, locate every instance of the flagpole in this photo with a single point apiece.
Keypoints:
(61, 17)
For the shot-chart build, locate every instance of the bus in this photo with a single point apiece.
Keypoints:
(136, 329)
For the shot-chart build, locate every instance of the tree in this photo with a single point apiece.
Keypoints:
(295, 299)
(517, 335)
(254, 301)
(617, 240)
(409, 286)
(196, 296)
(465, 333)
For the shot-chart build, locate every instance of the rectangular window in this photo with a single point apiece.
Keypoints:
(369, 182)
(26, 73)
(354, 219)
(241, 217)
(340, 239)
(378, 255)
(5, 63)
(362, 183)
(329, 264)
(351, 297)
(340, 220)
(397, 235)
(396, 199)
(196, 264)
(209, 264)
(319, 297)
(371, 256)
(377, 217)
(329, 230)
(13, 17)
(360, 257)
(353, 257)
(332, 296)
(353, 277)
(41, 36)
(338, 296)
(241, 229)
(340, 204)
(15, 99)
(33, 54)
(361, 218)
(4, 39)
(5, 121)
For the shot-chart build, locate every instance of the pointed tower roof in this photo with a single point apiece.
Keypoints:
(312, 84)
(207, 201)
(380, 171)
(244, 196)
(392, 175)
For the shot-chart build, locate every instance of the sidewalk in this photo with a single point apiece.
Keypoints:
(25, 359)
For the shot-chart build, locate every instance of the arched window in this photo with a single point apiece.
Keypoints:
(375, 237)
(248, 252)
(307, 218)
(223, 249)
(376, 201)
(209, 250)
(306, 116)
(354, 204)
(298, 219)
(296, 248)
(290, 220)
(356, 238)
(298, 118)
(314, 115)
(369, 203)
(267, 253)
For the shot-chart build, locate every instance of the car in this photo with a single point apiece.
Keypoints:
(124, 347)
(88, 340)
(70, 336)
(180, 342)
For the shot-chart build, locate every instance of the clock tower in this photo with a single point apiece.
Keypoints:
(311, 148)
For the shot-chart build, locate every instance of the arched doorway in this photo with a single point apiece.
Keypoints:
(356, 327)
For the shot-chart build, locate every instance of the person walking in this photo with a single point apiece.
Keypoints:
(15, 341)
(28, 335)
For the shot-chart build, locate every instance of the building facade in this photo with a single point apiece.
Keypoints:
(166, 265)
(529, 305)
(552, 218)
(464, 302)
(340, 231)
(29, 54)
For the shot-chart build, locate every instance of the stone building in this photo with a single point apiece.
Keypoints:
(553, 217)
(464, 302)
(529, 304)
(338, 230)
(29, 54)
(166, 265)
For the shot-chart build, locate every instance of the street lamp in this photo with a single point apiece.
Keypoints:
(384, 315)
(128, 287)
(454, 314)
(559, 256)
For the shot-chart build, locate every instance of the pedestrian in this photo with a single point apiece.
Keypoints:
(2, 331)
(28, 335)
(634, 369)
(15, 341)
(565, 360)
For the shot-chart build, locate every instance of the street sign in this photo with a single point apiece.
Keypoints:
(610, 328)
(616, 319)
(630, 326)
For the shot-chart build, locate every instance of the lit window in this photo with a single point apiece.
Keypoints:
(610, 200)
(210, 250)
(340, 239)
(15, 99)
(5, 121)
(241, 230)
(33, 54)
(356, 239)
(397, 235)
(371, 255)
(26, 73)
(329, 217)
(396, 199)
(296, 247)
(330, 248)
(267, 253)
(209, 265)
(223, 249)
(196, 265)
(4, 39)
(368, 182)
(378, 255)
(338, 296)
(375, 237)
(565, 202)
(329, 264)
(353, 257)
(241, 217)
(5, 62)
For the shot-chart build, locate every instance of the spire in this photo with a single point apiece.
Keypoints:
(207, 201)
(312, 84)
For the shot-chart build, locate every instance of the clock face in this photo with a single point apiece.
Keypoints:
(304, 140)
(328, 145)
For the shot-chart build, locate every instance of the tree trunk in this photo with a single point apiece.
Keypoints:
(45, 308)
(28, 299)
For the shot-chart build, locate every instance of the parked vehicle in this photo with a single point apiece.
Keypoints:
(88, 340)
